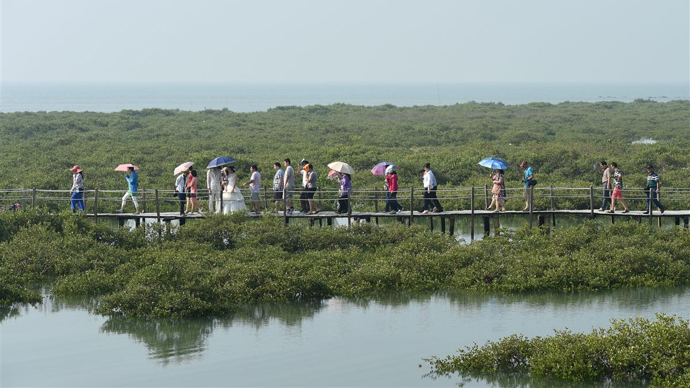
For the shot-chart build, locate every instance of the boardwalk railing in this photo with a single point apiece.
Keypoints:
(547, 201)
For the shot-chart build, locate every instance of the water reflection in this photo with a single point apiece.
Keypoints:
(525, 381)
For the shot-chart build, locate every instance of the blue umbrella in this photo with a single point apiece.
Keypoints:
(495, 163)
(220, 161)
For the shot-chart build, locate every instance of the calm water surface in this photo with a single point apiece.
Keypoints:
(260, 97)
(377, 341)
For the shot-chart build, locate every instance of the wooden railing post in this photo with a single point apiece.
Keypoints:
(553, 207)
(591, 201)
(472, 214)
(143, 199)
(530, 192)
(349, 211)
(376, 199)
(33, 197)
(23, 198)
(649, 209)
(158, 208)
(265, 198)
(95, 205)
(411, 206)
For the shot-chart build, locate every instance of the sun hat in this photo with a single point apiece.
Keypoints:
(76, 169)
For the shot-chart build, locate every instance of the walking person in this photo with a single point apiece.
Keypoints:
(498, 191)
(132, 179)
(617, 189)
(288, 185)
(392, 204)
(77, 190)
(652, 190)
(528, 181)
(344, 192)
(304, 202)
(254, 184)
(192, 193)
(181, 190)
(431, 202)
(278, 185)
(213, 180)
(311, 189)
(606, 184)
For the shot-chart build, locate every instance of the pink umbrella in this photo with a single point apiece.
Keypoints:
(380, 169)
(182, 167)
(124, 167)
(333, 174)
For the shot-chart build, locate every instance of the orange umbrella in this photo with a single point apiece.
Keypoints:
(124, 167)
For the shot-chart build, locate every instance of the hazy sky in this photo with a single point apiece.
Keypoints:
(345, 41)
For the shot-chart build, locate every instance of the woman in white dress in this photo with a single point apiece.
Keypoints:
(233, 201)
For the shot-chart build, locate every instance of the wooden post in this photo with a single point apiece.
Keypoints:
(431, 223)
(143, 200)
(33, 197)
(443, 225)
(677, 221)
(329, 221)
(553, 207)
(487, 225)
(472, 214)
(376, 201)
(319, 197)
(285, 205)
(265, 199)
(591, 201)
(497, 224)
(530, 192)
(95, 205)
(158, 208)
(649, 209)
(349, 212)
(451, 230)
(411, 205)
(120, 222)
(540, 221)
(23, 198)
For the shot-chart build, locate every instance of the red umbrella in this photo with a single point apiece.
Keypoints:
(333, 174)
(124, 167)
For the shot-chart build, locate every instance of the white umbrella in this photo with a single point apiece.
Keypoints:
(341, 167)
(182, 167)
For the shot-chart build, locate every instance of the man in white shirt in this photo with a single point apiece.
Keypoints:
(606, 184)
(430, 200)
(288, 184)
(254, 188)
(213, 178)
(304, 202)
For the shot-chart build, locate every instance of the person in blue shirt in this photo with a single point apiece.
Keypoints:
(132, 179)
(652, 190)
(528, 182)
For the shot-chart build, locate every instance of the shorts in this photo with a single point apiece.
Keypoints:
(254, 196)
(288, 192)
(277, 195)
(191, 195)
(525, 192)
(617, 192)
(309, 194)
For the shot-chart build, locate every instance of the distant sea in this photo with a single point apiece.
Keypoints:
(260, 97)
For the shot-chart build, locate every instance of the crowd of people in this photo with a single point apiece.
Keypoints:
(225, 197)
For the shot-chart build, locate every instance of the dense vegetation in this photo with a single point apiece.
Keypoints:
(212, 266)
(562, 141)
(656, 352)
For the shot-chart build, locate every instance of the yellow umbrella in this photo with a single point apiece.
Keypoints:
(341, 167)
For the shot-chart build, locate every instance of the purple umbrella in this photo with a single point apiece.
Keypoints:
(380, 169)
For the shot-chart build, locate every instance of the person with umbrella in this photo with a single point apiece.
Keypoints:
(344, 192)
(132, 179)
(77, 190)
(391, 186)
(497, 178)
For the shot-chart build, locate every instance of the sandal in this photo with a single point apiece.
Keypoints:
(626, 211)
(611, 211)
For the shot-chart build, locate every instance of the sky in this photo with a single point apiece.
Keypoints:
(352, 41)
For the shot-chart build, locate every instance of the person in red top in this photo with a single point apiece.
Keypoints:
(392, 204)
(192, 188)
